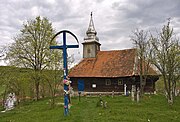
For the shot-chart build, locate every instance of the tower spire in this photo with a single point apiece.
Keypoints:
(91, 32)
(91, 44)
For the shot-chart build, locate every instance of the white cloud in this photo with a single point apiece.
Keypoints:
(35, 11)
(51, 1)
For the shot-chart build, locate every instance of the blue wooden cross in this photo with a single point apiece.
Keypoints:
(64, 48)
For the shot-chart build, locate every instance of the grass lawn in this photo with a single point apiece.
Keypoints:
(152, 108)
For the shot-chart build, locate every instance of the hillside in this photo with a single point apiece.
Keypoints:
(22, 82)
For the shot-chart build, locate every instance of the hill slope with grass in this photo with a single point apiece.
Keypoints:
(23, 82)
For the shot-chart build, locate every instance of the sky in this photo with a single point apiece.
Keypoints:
(114, 20)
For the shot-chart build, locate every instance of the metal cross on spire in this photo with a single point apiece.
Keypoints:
(64, 48)
(91, 28)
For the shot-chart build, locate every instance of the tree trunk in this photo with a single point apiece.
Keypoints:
(170, 98)
(133, 91)
(141, 85)
(37, 90)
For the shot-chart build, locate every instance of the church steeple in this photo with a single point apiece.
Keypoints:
(91, 43)
(91, 32)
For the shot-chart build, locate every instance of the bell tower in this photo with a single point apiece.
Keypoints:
(91, 43)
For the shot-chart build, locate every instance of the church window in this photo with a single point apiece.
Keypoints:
(120, 82)
(108, 82)
(94, 85)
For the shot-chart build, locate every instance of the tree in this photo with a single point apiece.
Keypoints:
(2, 52)
(141, 42)
(54, 77)
(31, 48)
(165, 56)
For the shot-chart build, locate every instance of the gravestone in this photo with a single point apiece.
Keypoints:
(10, 102)
(138, 94)
(125, 89)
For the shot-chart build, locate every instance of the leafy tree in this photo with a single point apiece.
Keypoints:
(31, 48)
(165, 56)
(141, 42)
(54, 77)
(3, 50)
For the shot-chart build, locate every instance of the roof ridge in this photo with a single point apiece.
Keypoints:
(117, 50)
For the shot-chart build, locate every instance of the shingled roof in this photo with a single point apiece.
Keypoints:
(117, 63)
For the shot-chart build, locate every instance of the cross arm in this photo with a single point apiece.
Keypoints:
(56, 47)
(61, 47)
(72, 46)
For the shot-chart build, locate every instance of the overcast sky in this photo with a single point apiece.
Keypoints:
(114, 19)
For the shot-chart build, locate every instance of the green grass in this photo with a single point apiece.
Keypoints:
(120, 109)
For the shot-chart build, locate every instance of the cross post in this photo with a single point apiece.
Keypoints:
(64, 47)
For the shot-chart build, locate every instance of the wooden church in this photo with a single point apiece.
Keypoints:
(107, 71)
